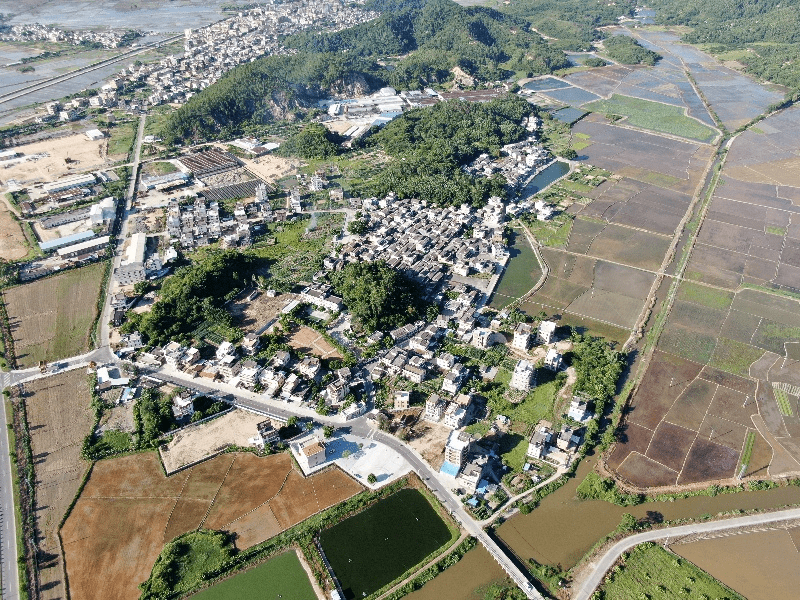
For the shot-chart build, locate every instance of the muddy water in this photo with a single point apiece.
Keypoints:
(562, 529)
(460, 581)
(762, 565)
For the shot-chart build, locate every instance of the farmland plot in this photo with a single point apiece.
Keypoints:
(51, 318)
(129, 510)
(59, 418)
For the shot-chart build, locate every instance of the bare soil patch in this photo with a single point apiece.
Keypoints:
(59, 418)
(430, 442)
(633, 438)
(84, 155)
(690, 407)
(129, 509)
(193, 444)
(308, 341)
(13, 243)
(257, 313)
(51, 318)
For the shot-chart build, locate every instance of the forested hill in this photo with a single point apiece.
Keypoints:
(766, 32)
(433, 35)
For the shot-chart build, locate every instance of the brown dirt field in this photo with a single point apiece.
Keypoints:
(309, 341)
(134, 476)
(645, 472)
(723, 432)
(728, 380)
(129, 509)
(698, 318)
(560, 291)
(740, 326)
(431, 442)
(119, 539)
(708, 461)
(51, 318)
(690, 407)
(186, 515)
(59, 417)
(255, 527)
(249, 483)
(205, 478)
(630, 247)
(664, 381)
(670, 445)
(85, 155)
(297, 503)
(634, 438)
(13, 244)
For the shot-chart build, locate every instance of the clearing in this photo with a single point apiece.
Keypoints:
(52, 318)
(193, 444)
(66, 156)
(13, 243)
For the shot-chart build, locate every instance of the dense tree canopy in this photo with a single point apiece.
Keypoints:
(597, 367)
(195, 294)
(430, 145)
(628, 51)
(314, 141)
(378, 296)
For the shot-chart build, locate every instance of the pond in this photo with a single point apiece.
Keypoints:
(462, 580)
(521, 273)
(545, 177)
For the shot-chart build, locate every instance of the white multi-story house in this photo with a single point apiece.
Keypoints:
(522, 337)
(547, 332)
(524, 376)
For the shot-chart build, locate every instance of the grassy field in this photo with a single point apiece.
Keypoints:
(51, 318)
(514, 449)
(651, 572)
(375, 547)
(734, 357)
(654, 116)
(554, 232)
(280, 577)
(121, 140)
(705, 296)
(783, 402)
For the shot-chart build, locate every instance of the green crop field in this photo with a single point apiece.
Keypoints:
(747, 451)
(377, 546)
(705, 296)
(279, 577)
(651, 572)
(783, 402)
(734, 357)
(122, 136)
(654, 116)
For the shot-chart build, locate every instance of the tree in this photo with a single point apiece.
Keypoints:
(309, 425)
(371, 479)
(291, 421)
(314, 141)
(328, 430)
(357, 226)
(378, 296)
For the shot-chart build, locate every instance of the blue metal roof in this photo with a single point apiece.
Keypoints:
(66, 240)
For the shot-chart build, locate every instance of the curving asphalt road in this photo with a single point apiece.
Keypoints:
(610, 557)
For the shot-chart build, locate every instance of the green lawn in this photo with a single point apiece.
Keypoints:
(377, 546)
(514, 449)
(654, 116)
(554, 232)
(538, 404)
(783, 402)
(653, 573)
(774, 230)
(280, 577)
(121, 138)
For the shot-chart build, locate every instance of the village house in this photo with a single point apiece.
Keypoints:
(547, 332)
(524, 376)
(522, 337)
(434, 408)
(553, 360)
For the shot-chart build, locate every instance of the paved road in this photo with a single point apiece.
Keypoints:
(611, 556)
(8, 532)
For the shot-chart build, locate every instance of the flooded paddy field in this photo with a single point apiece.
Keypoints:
(521, 273)
(562, 528)
(150, 15)
(760, 565)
